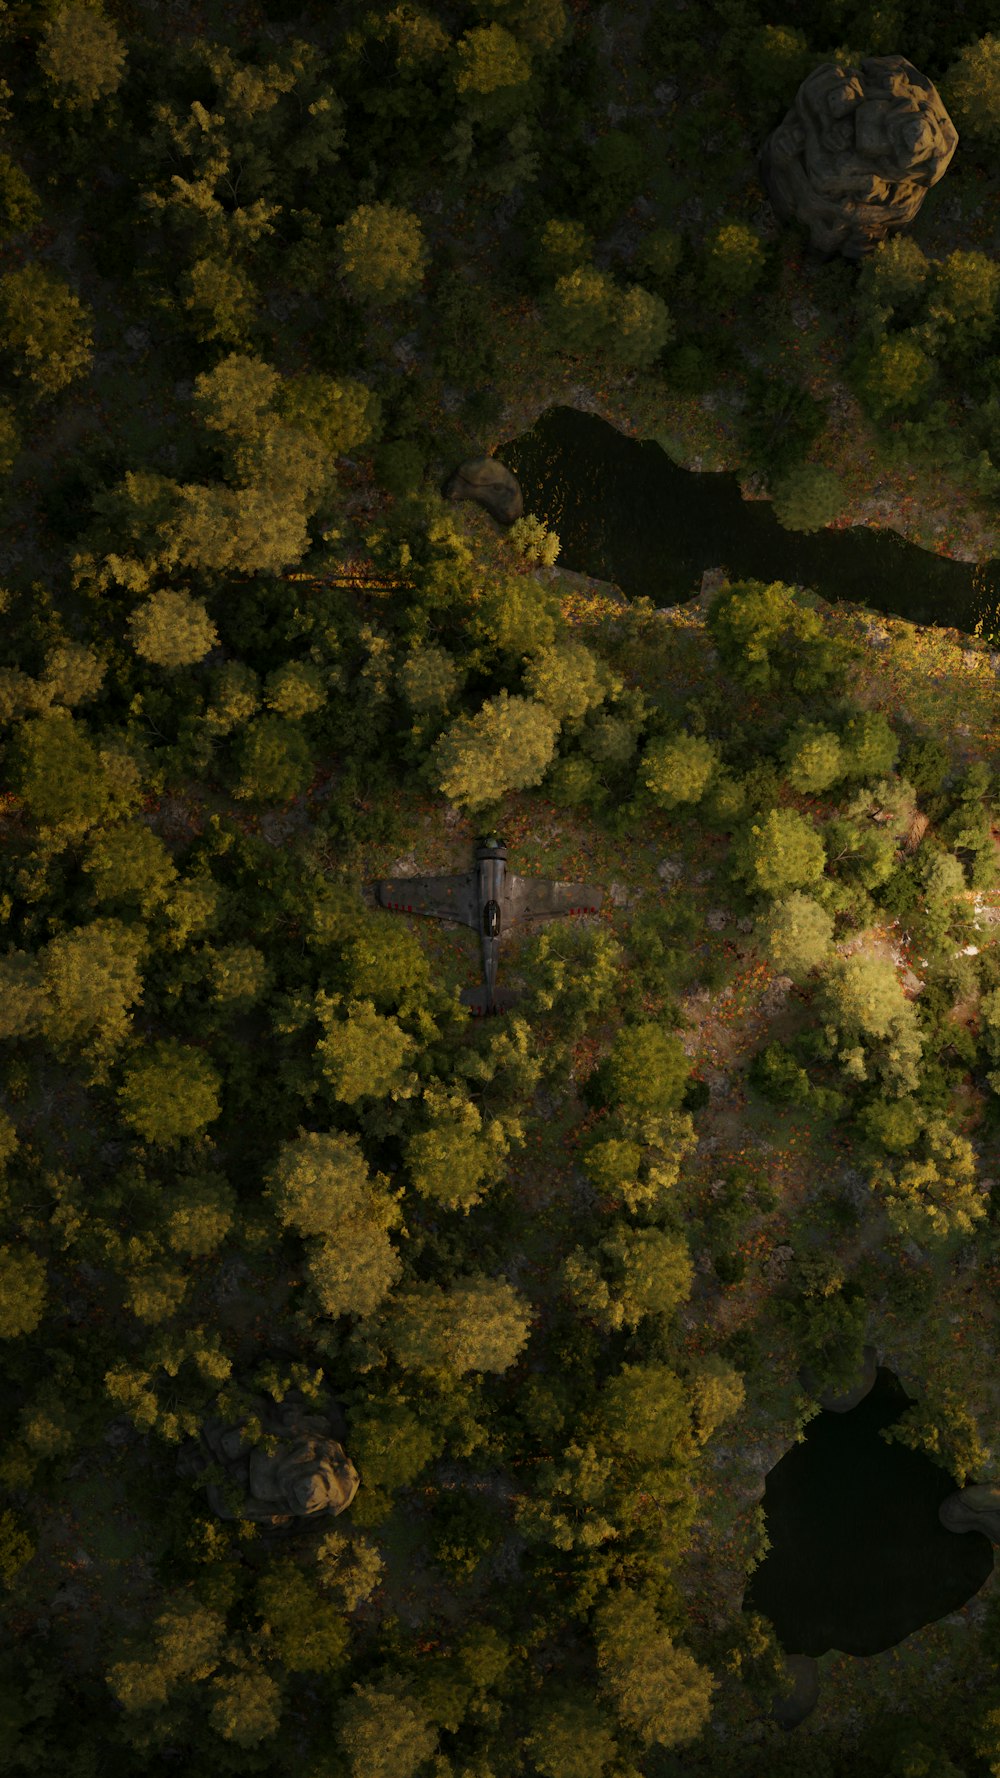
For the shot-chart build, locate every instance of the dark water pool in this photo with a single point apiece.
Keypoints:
(625, 512)
(859, 1558)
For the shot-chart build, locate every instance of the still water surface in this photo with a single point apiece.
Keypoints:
(859, 1558)
(625, 512)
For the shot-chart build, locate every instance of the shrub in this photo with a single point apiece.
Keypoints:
(780, 853)
(678, 769)
(813, 758)
(777, 1076)
(807, 497)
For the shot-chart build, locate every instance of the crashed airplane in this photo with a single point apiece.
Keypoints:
(491, 899)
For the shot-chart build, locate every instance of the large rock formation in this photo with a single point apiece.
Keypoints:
(976, 1508)
(848, 1398)
(490, 483)
(857, 152)
(308, 1476)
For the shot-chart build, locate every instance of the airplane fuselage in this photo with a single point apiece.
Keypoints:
(491, 863)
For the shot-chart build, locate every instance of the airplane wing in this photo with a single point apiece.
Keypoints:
(539, 898)
(442, 898)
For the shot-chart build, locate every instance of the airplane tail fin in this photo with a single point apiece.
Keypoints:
(478, 1000)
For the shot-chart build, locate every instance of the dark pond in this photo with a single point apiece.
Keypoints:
(858, 1556)
(625, 512)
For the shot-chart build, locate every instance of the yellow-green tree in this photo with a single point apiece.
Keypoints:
(256, 529)
(381, 253)
(491, 73)
(349, 1567)
(517, 616)
(44, 329)
(320, 1187)
(90, 981)
(780, 852)
(678, 769)
(185, 1645)
(238, 975)
(172, 629)
(169, 1092)
(970, 89)
(68, 781)
(532, 540)
(272, 761)
(643, 1412)
(428, 678)
(507, 745)
(634, 1272)
(962, 302)
(237, 395)
(796, 933)
(807, 496)
(934, 1193)
(199, 1214)
(716, 1392)
(318, 1181)
(943, 1426)
(309, 1632)
(734, 261)
(563, 244)
(384, 1732)
(643, 327)
(246, 1705)
(73, 674)
(455, 1156)
(813, 757)
(892, 279)
(221, 300)
(872, 1025)
(646, 1070)
(386, 963)
(130, 865)
(893, 375)
(362, 1053)
(22, 1291)
(567, 679)
(582, 311)
(82, 55)
(344, 414)
(476, 1324)
(769, 640)
(571, 1738)
(391, 1443)
(661, 1692)
(20, 205)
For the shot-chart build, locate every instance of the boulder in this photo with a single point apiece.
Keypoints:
(976, 1508)
(491, 484)
(843, 1402)
(857, 152)
(307, 1476)
(790, 1708)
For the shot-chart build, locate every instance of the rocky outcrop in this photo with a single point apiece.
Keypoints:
(307, 1476)
(843, 1402)
(489, 483)
(976, 1508)
(790, 1708)
(857, 152)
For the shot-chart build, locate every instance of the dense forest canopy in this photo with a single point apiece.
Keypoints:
(268, 274)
